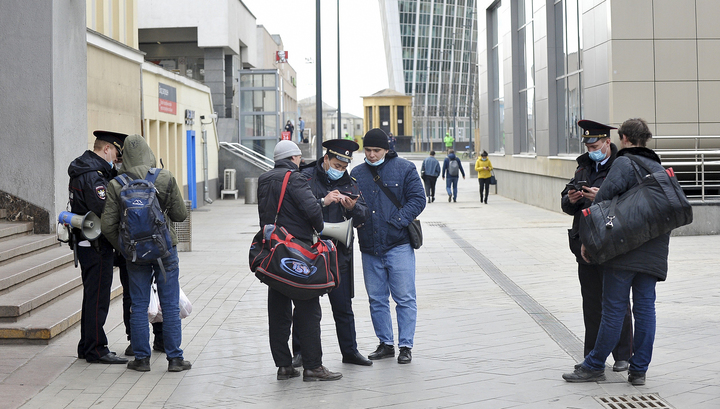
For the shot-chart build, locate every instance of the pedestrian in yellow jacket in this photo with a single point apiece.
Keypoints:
(484, 171)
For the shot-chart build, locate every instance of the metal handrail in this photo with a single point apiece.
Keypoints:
(262, 162)
(699, 161)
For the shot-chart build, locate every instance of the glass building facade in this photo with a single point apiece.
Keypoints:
(438, 40)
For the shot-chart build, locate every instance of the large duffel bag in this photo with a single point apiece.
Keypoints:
(291, 266)
(653, 207)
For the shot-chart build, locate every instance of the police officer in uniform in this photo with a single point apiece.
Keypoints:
(592, 168)
(340, 198)
(89, 176)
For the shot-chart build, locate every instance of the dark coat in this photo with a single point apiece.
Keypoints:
(300, 214)
(321, 185)
(651, 257)
(89, 178)
(446, 164)
(386, 225)
(594, 177)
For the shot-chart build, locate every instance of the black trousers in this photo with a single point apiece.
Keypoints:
(127, 302)
(307, 326)
(97, 271)
(341, 303)
(485, 185)
(591, 287)
(430, 185)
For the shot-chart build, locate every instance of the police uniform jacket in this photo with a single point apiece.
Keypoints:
(138, 158)
(386, 225)
(300, 214)
(89, 176)
(321, 185)
(585, 171)
(651, 257)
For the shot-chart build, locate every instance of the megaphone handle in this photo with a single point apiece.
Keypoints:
(74, 245)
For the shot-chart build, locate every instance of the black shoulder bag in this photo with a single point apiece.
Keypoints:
(414, 228)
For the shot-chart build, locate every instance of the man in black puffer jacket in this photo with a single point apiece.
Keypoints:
(639, 269)
(301, 215)
(593, 167)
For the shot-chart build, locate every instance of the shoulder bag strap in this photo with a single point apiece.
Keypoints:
(384, 188)
(282, 193)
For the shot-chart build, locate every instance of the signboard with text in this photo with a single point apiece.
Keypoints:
(167, 99)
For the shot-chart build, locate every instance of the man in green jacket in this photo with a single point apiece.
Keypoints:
(137, 161)
(449, 141)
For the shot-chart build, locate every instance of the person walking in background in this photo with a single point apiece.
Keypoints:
(452, 167)
(388, 259)
(301, 130)
(430, 171)
(483, 166)
(593, 167)
(392, 141)
(449, 141)
(289, 128)
(638, 270)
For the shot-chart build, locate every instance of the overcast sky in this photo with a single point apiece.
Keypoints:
(362, 54)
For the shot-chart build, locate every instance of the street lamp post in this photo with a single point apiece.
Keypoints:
(318, 84)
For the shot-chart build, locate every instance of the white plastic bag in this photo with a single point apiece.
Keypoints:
(154, 312)
(185, 305)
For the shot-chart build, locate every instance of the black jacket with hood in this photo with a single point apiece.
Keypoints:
(89, 177)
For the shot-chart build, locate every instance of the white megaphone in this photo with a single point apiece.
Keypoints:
(342, 231)
(89, 224)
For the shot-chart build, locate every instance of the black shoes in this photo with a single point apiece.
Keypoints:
(636, 378)
(297, 361)
(405, 356)
(383, 351)
(141, 365)
(178, 365)
(158, 345)
(583, 374)
(621, 366)
(287, 372)
(110, 358)
(129, 351)
(356, 359)
(433, 198)
(449, 198)
(320, 374)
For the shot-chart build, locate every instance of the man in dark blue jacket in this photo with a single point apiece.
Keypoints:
(388, 258)
(340, 198)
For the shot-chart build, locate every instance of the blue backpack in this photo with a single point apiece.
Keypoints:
(144, 235)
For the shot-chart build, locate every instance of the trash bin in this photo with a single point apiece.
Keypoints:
(251, 185)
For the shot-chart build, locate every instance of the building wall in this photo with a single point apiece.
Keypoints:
(654, 59)
(43, 98)
(167, 133)
(116, 19)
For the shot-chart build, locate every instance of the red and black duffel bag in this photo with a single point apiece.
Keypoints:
(291, 266)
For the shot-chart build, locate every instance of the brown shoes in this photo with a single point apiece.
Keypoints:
(320, 374)
(287, 372)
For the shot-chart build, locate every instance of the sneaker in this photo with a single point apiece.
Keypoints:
(383, 351)
(454, 199)
(449, 198)
(178, 365)
(141, 365)
(583, 374)
(320, 374)
(636, 378)
(287, 372)
(433, 198)
(129, 351)
(405, 356)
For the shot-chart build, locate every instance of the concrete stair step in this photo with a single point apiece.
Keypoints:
(51, 319)
(17, 271)
(38, 292)
(24, 245)
(9, 229)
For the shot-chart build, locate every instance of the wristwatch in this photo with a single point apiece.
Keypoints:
(322, 201)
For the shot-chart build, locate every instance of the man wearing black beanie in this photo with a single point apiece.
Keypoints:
(388, 258)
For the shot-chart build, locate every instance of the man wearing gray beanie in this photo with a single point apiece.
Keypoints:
(301, 215)
(388, 259)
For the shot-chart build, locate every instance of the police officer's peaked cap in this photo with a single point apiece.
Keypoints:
(594, 131)
(115, 138)
(341, 148)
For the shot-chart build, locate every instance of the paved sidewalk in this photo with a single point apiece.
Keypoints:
(499, 321)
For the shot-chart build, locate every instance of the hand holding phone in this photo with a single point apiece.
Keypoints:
(351, 195)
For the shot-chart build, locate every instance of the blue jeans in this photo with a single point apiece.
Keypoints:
(616, 295)
(452, 181)
(392, 273)
(141, 277)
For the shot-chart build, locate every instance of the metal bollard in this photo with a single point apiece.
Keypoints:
(251, 185)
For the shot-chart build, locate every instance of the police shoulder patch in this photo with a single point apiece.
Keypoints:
(100, 191)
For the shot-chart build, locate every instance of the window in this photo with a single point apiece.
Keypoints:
(568, 80)
(526, 108)
(495, 77)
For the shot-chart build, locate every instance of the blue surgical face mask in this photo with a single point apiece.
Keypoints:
(112, 165)
(483, 159)
(334, 174)
(378, 163)
(597, 156)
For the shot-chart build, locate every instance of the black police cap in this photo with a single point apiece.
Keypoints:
(341, 148)
(115, 138)
(594, 131)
